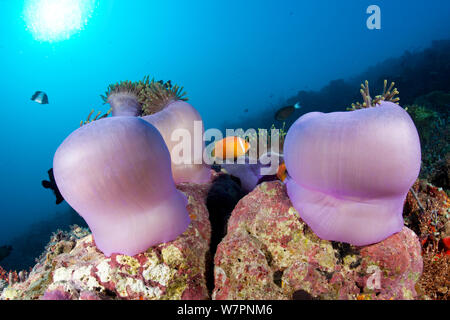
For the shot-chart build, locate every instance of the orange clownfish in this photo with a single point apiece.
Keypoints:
(282, 172)
(230, 148)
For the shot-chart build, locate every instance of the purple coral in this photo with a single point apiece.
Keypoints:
(350, 171)
(116, 174)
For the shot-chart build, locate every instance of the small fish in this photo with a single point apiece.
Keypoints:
(52, 185)
(5, 251)
(230, 148)
(282, 172)
(167, 84)
(245, 110)
(285, 112)
(40, 97)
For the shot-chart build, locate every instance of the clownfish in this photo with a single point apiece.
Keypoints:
(230, 148)
(282, 172)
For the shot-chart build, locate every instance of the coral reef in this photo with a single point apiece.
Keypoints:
(427, 213)
(116, 174)
(415, 73)
(431, 115)
(270, 253)
(29, 244)
(440, 173)
(435, 281)
(73, 268)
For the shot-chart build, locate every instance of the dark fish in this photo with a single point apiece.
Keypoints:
(245, 110)
(52, 185)
(285, 112)
(167, 84)
(5, 251)
(40, 97)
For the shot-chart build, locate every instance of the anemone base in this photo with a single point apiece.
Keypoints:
(359, 222)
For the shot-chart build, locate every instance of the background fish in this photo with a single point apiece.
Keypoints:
(40, 97)
(52, 185)
(5, 251)
(285, 112)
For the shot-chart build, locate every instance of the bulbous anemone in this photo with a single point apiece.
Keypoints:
(164, 106)
(350, 171)
(181, 115)
(116, 174)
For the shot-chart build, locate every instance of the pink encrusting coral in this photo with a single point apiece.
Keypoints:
(116, 174)
(350, 171)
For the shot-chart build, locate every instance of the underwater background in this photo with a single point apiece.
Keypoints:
(239, 61)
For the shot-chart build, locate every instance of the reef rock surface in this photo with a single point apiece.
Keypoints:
(270, 253)
(74, 268)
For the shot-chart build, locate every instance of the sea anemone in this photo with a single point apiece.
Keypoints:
(143, 97)
(349, 172)
(116, 174)
(164, 106)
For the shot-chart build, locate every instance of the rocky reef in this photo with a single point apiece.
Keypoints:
(270, 253)
(73, 268)
(267, 253)
(263, 248)
(427, 213)
(431, 115)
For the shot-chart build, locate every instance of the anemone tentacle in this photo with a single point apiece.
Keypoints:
(150, 96)
(97, 117)
(389, 95)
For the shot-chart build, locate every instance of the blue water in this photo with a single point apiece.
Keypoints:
(229, 55)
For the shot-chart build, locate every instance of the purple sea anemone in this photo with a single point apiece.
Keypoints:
(350, 171)
(116, 174)
(164, 106)
(252, 172)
